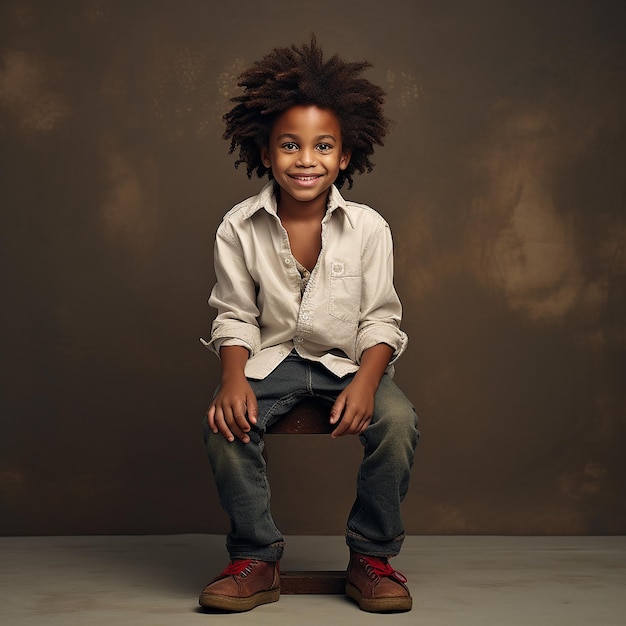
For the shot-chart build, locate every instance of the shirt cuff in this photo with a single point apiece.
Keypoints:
(370, 336)
(241, 335)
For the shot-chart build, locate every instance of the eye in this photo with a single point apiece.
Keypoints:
(324, 147)
(290, 146)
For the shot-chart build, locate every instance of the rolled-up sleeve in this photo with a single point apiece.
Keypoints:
(234, 297)
(381, 310)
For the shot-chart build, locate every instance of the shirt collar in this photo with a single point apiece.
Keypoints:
(266, 199)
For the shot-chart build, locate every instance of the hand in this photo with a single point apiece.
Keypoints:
(355, 404)
(354, 407)
(233, 410)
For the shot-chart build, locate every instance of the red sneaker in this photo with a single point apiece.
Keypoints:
(243, 585)
(376, 586)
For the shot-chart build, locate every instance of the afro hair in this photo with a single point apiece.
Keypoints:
(292, 76)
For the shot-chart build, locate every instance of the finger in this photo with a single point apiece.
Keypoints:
(241, 435)
(343, 428)
(211, 418)
(223, 417)
(239, 415)
(337, 410)
(340, 430)
(253, 408)
(237, 423)
(364, 425)
(355, 421)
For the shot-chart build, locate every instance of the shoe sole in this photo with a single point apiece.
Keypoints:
(399, 604)
(228, 603)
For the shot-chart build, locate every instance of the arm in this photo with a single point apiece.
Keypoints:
(381, 310)
(379, 338)
(355, 404)
(233, 296)
(234, 407)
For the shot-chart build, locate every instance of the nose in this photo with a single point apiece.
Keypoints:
(306, 157)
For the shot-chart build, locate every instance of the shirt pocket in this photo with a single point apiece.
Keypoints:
(345, 292)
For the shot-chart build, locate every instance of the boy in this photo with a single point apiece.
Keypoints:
(306, 308)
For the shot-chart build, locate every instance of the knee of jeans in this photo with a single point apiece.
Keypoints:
(405, 422)
(398, 425)
(232, 456)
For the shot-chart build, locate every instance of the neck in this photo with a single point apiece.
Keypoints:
(290, 208)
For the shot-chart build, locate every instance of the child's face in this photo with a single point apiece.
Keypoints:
(305, 152)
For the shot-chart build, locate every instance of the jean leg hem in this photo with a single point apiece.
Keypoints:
(368, 547)
(271, 553)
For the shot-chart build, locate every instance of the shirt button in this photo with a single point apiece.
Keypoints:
(287, 261)
(305, 317)
(298, 339)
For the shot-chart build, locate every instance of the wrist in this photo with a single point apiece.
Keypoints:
(233, 375)
(234, 359)
(368, 379)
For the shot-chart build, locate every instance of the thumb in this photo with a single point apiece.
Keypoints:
(337, 410)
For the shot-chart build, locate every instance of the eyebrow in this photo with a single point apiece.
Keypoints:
(292, 136)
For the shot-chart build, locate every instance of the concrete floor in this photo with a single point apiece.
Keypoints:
(155, 580)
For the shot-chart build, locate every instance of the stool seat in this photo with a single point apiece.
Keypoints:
(308, 417)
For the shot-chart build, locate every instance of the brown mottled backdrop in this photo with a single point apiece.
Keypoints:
(503, 181)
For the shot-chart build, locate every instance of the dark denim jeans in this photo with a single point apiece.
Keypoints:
(374, 525)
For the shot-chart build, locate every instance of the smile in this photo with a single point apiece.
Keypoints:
(305, 179)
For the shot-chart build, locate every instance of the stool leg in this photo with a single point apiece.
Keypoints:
(327, 582)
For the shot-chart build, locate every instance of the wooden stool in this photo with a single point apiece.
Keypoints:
(308, 418)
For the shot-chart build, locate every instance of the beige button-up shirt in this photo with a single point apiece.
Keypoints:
(349, 303)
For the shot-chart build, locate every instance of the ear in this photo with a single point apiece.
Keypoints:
(265, 157)
(345, 159)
